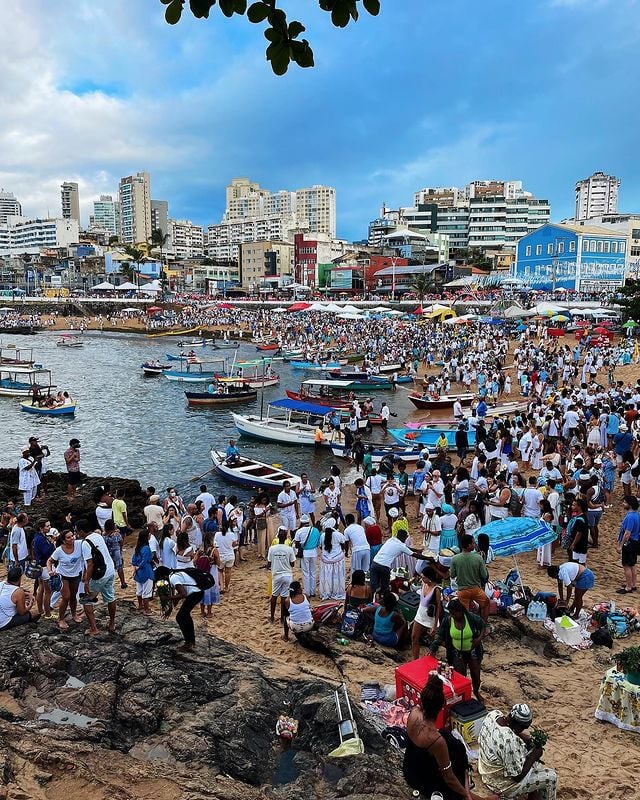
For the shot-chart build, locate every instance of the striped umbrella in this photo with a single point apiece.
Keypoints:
(514, 535)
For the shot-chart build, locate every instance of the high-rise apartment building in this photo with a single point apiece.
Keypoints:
(160, 216)
(314, 208)
(21, 235)
(135, 208)
(597, 195)
(484, 214)
(9, 206)
(70, 201)
(106, 215)
(186, 240)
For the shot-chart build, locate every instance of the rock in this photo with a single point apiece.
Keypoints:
(189, 719)
(56, 505)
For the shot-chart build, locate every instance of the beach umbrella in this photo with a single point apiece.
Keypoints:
(225, 306)
(521, 327)
(418, 311)
(559, 318)
(153, 309)
(301, 306)
(514, 535)
(628, 324)
(601, 329)
(278, 310)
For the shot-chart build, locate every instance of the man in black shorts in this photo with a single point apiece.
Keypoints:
(15, 603)
(72, 460)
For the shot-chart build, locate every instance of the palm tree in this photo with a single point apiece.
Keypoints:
(423, 284)
(137, 256)
(158, 240)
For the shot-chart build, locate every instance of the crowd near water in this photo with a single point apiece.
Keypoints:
(549, 434)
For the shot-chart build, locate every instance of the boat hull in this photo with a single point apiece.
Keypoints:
(249, 472)
(189, 377)
(427, 437)
(409, 455)
(272, 430)
(424, 404)
(311, 366)
(206, 399)
(60, 411)
(267, 348)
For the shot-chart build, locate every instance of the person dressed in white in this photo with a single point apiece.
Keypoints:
(305, 491)
(207, 499)
(432, 527)
(357, 539)
(28, 480)
(226, 543)
(288, 507)
(18, 549)
(97, 583)
(307, 539)
(531, 499)
(332, 560)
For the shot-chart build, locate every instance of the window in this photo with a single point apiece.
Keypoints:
(635, 251)
(606, 246)
(599, 247)
(527, 251)
(592, 246)
(614, 247)
(635, 233)
(585, 246)
(550, 249)
(621, 247)
(538, 249)
(561, 247)
(572, 247)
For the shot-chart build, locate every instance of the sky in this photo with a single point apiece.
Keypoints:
(430, 93)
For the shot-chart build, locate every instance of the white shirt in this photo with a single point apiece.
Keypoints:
(282, 558)
(432, 497)
(331, 498)
(224, 542)
(389, 551)
(431, 524)
(384, 412)
(153, 513)
(374, 482)
(531, 502)
(99, 543)
(568, 572)
(182, 579)
(356, 536)
(208, 500)
(70, 565)
(18, 537)
(285, 498)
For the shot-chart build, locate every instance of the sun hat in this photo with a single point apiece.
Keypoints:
(329, 522)
(369, 521)
(305, 518)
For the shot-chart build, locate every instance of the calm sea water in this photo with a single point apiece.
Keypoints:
(140, 427)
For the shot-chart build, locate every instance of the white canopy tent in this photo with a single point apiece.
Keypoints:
(105, 286)
(153, 287)
(278, 310)
(127, 286)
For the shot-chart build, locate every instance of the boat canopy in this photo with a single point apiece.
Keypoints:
(304, 408)
(331, 384)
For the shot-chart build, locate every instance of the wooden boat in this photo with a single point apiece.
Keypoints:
(69, 340)
(296, 355)
(266, 348)
(337, 394)
(248, 472)
(22, 381)
(427, 437)
(226, 393)
(154, 368)
(285, 430)
(427, 401)
(195, 371)
(12, 356)
(409, 454)
(193, 343)
(45, 411)
(253, 381)
(311, 365)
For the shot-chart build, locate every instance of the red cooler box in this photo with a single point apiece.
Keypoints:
(411, 679)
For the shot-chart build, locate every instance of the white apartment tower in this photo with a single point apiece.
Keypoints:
(9, 206)
(597, 195)
(70, 201)
(186, 240)
(135, 208)
(106, 215)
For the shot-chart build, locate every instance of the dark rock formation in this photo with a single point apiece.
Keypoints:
(204, 722)
(56, 505)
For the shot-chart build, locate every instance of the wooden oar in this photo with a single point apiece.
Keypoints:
(199, 477)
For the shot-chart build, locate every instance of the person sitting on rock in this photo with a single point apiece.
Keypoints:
(15, 603)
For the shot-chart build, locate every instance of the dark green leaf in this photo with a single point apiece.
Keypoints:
(295, 29)
(166, 2)
(200, 8)
(278, 20)
(173, 12)
(278, 55)
(240, 6)
(372, 6)
(272, 35)
(258, 12)
(227, 7)
(340, 15)
(302, 54)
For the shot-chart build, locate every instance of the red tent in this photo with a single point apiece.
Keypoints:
(299, 306)
(419, 310)
(225, 306)
(154, 310)
(602, 330)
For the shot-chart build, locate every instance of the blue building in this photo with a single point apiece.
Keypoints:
(567, 256)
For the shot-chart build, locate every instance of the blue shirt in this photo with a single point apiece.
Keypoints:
(622, 442)
(232, 452)
(631, 523)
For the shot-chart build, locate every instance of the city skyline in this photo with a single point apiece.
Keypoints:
(433, 99)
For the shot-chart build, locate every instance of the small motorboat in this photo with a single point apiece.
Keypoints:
(49, 411)
(428, 401)
(225, 394)
(409, 454)
(193, 343)
(69, 340)
(154, 368)
(248, 472)
(266, 348)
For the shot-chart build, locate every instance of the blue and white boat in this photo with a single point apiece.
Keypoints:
(297, 426)
(407, 454)
(55, 411)
(248, 472)
(325, 365)
(427, 437)
(22, 381)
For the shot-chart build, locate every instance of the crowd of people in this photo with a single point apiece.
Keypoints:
(565, 454)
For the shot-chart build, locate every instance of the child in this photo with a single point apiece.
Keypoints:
(143, 572)
(209, 561)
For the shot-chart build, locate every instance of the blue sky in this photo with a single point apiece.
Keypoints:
(432, 92)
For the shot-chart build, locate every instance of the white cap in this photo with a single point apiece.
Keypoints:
(305, 518)
(430, 507)
(393, 512)
(369, 521)
(329, 523)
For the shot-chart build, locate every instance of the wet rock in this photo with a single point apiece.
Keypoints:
(200, 717)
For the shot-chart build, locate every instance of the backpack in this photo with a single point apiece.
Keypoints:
(350, 623)
(99, 564)
(203, 580)
(515, 505)
(203, 564)
(210, 525)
